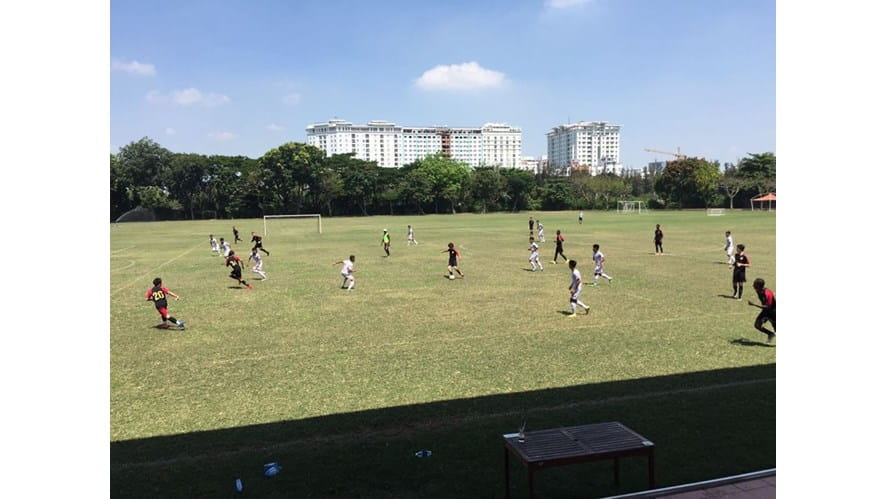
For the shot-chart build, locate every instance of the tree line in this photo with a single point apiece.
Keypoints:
(300, 178)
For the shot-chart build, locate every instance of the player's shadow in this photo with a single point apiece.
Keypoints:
(751, 343)
(236, 287)
(729, 297)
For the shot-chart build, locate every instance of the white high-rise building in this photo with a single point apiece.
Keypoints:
(591, 146)
(392, 146)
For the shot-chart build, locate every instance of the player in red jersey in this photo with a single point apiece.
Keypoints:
(236, 265)
(158, 295)
(768, 309)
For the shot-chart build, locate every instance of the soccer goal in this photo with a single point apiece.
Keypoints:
(631, 207)
(715, 212)
(266, 219)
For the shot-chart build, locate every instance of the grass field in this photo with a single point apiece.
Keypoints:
(342, 388)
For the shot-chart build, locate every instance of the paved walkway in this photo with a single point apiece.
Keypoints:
(757, 485)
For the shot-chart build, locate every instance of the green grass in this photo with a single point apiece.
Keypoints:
(343, 387)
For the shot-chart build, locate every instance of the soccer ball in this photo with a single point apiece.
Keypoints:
(452, 277)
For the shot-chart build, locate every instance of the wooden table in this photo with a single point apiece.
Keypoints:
(577, 444)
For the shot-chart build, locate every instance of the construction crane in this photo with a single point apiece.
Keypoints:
(677, 155)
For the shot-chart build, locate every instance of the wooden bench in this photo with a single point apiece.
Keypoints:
(577, 444)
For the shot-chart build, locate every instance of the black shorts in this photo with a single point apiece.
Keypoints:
(739, 276)
(258, 244)
(453, 262)
(767, 315)
(236, 274)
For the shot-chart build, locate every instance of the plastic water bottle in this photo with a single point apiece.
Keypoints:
(423, 454)
(272, 469)
(238, 486)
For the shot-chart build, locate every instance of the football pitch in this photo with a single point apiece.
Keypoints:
(341, 388)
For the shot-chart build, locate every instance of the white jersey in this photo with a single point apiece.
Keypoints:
(534, 247)
(576, 284)
(729, 246)
(598, 261)
(410, 233)
(347, 267)
(257, 257)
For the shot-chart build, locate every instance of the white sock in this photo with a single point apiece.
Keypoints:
(573, 307)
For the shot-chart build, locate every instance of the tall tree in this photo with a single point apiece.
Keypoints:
(449, 178)
(488, 186)
(359, 178)
(143, 162)
(690, 182)
(290, 171)
(184, 179)
(519, 185)
(732, 185)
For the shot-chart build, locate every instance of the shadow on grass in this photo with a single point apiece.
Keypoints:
(729, 297)
(751, 343)
(704, 424)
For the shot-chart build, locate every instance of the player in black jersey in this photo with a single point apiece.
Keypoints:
(236, 234)
(158, 295)
(740, 264)
(453, 262)
(236, 265)
(257, 239)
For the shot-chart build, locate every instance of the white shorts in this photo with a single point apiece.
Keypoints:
(730, 251)
(598, 269)
(534, 256)
(348, 276)
(258, 267)
(575, 296)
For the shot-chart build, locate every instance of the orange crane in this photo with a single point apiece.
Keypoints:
(677, 155)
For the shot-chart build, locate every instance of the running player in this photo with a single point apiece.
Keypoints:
(739, 265)
(411, 238)
(226, 247)
(158, 295)
(575, 289)
(347, 272)
(599, 264)
(728, 247)
(768, 309)
(386, 242)
(453, 262)
(214, 245)
(236, 234)
(236, 265)
(257, 268)
(531, 225)
(534, 254)
(541, 231)
(657, 240)
(559, 248)
(581, 216)
(257, 239)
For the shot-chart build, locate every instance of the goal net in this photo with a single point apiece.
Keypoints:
(631, 207)
(714, 212)
(285, 223)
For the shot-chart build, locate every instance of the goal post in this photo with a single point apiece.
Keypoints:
(309, 215)
(631, 206)
(715, 212)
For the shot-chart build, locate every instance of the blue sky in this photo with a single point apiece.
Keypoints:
(234, 77)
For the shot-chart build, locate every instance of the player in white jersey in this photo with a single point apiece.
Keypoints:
(534, 254)
(214, 245)
(575, 289)
(347, 272)
(730, 249)
(226, 248)
(257, 268)
(541, 231)
(411, 238)
(599, 264)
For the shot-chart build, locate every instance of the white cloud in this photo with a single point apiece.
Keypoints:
(563, 4)
(274, 127)
(466, 76)
(133, 67)
(292, 99)
(221, 136)
(170, 131)
(188, 97)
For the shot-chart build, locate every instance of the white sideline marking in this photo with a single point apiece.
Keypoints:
(124, 286)
(128, 265)
(437, 424)
(122, 249)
